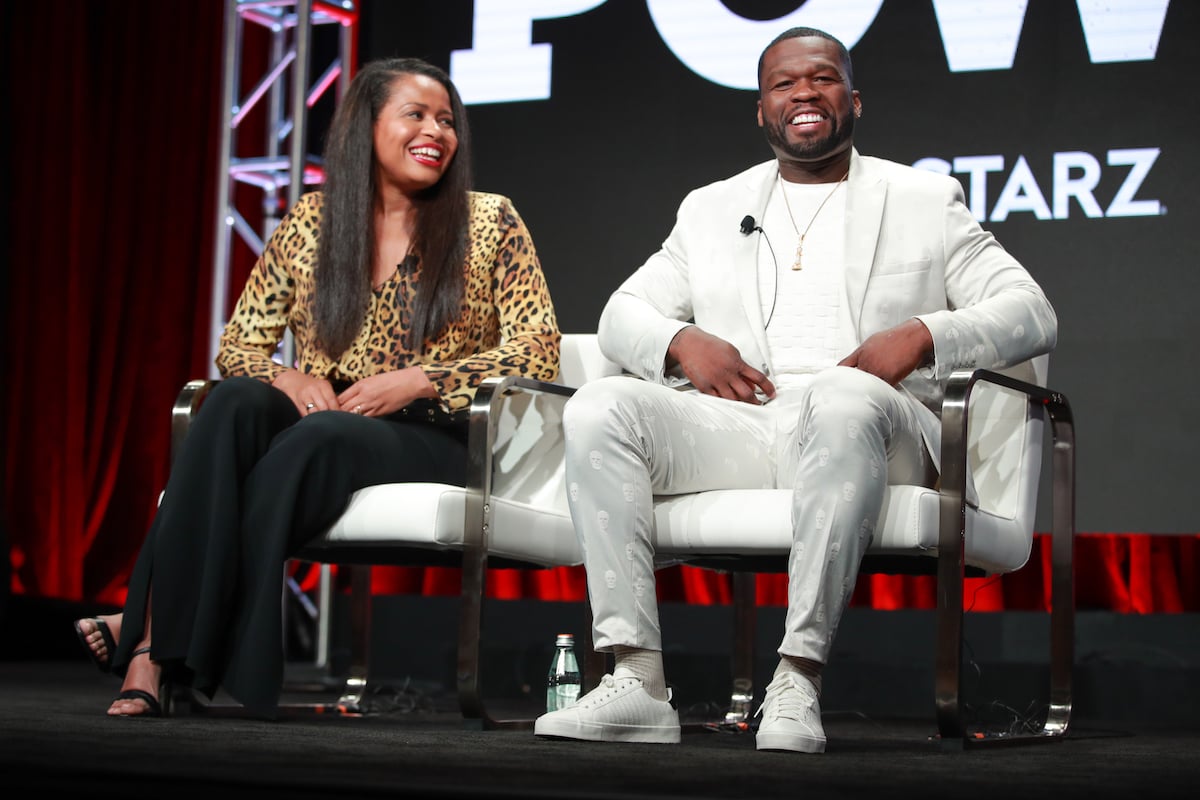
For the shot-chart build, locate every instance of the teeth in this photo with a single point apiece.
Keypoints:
(800, 119)
(429, 152)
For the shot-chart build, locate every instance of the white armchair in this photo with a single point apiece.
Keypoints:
(513, 512)
(992, 440)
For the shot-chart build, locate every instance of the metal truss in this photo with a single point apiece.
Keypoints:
(281, 98)
(304, 38)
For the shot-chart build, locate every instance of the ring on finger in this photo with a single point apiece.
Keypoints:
(358, 409)
(309, 406)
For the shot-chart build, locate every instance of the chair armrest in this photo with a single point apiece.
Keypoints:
(187, 403)
(491, 388)
(952, 519)
(485, 410)
(509, 450)
(951, 539)
(955, 415)
(514, 451)
(1062, 433)
(515, 438)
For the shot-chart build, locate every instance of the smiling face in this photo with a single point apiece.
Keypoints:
(415, 138)
(807, 107)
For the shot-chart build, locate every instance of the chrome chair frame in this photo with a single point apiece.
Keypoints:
(949, 564)
(472, 558)
(950, 569)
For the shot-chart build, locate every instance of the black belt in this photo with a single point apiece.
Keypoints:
(423, 409)
(426, 410)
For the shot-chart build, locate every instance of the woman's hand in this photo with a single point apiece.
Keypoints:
(307, 392)
(380, 395)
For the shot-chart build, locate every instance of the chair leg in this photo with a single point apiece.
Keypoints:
(952, 733)
(745, 619)
(354, 690)
(1062, 574)
(324, 623)
(473, 592)
(319, 676)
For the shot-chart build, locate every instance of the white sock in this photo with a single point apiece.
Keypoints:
(646, 665)
(801, 666)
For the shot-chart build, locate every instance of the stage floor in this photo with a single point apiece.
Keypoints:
(55, 736)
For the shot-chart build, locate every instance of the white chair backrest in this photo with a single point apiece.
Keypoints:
(582, 361)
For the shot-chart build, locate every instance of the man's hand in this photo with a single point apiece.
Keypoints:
(892, 354)
(715, 367)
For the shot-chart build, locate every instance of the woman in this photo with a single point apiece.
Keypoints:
(403, 290)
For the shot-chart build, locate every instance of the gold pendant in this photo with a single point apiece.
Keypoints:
(796, 265)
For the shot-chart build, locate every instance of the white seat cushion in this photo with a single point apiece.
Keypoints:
(430, 515)
(757, 522)
(751, 522)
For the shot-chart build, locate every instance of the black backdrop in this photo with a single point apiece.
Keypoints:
(598, 169)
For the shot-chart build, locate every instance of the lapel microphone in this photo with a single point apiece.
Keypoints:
(747, 227)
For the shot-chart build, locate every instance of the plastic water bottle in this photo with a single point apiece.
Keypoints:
(563, 682)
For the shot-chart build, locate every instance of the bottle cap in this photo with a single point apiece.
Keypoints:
(565, 639)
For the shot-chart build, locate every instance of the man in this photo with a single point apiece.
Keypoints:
(815, 340)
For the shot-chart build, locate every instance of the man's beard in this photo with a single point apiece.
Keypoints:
(817, 148)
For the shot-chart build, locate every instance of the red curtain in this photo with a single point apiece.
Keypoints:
(114, 121)
(112, 109)
(1127, 573)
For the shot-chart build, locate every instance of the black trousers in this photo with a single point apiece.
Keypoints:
(253, 483)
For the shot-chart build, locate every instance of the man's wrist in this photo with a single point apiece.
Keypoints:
(672, 359)
(928, 350)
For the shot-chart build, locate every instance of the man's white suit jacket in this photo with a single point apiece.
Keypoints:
(912, 249)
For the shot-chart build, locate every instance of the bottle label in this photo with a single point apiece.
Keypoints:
(561, 695)
(562, 684)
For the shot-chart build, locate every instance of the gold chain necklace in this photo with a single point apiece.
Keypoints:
(796, 265)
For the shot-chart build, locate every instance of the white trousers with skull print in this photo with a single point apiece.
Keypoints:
(836, 440)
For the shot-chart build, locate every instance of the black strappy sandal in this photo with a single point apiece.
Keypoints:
(110, 644)
(154, 708)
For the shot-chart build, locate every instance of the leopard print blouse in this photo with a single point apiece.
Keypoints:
(507, 325)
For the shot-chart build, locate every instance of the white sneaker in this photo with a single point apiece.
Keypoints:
(791, 716)
(618, 710)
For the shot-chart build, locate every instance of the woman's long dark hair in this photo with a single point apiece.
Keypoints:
(346, 245)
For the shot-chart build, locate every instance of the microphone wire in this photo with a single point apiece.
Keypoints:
(775, 275)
